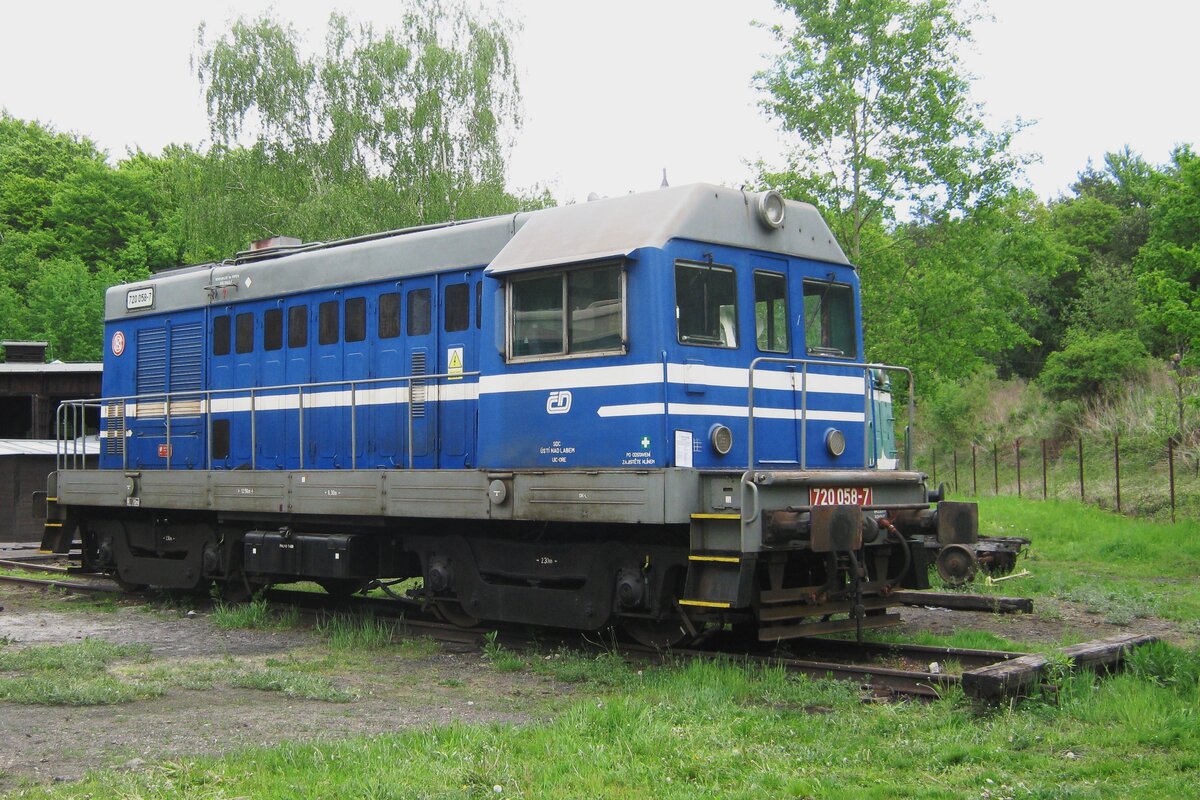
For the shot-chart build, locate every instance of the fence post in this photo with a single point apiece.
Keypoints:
(1082, 499)
(1043, 469)
(974, 474)
(933, 452)
(995, 468)
(954, 452)
(1117, 466)
(1171, 471)
(1018, 447)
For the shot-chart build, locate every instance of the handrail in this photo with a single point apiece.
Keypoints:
(68, 455)
(868, 388)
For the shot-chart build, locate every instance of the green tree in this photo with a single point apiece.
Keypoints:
(1168, 265)
(71, 225)
(879, 102)
(379, 130)
(1093, 365)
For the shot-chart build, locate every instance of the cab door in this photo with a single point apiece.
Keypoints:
(779, 401)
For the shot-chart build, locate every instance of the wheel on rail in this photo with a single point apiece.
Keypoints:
(669, 631)
(128, 587)
(453, 612)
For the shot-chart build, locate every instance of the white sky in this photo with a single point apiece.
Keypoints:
(615, 91)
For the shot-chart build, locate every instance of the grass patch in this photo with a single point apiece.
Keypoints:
(294, 677)
(501, 659)
(570, 666)
(292, 684)
(356, 631)
(969, 639)
(70, 674)
(254, 615)
(1119, 568)
(735, 730)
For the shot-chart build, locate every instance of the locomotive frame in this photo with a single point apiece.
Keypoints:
(501, 408)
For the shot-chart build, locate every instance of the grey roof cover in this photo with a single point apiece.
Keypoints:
(567, 235)
(617, 226)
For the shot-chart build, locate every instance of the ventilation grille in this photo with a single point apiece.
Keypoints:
(417, 384)
(187, 359)
(114, 427)
(151, 361)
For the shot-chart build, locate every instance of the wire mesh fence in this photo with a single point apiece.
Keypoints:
(1137, 476)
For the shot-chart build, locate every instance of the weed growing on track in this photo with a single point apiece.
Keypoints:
(356, 631)
(255, 615)
(501, 659)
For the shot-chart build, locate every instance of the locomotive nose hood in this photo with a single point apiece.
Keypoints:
(619, 226)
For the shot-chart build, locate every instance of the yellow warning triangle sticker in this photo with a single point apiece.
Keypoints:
(455, 359)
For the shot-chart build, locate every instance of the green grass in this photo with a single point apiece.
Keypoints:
(303, 677)
(69, 674)
(1120, 568)
(726, 730)
(734, 730)
(356, 631)
(256, 615)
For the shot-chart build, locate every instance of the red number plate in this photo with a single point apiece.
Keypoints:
(839, 496)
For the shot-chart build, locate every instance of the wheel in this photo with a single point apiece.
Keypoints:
(341, 587)
(126, 586)
(659, 633)
(956, 564)
(453, 612)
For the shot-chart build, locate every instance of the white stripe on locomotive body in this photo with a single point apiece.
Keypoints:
(741, 412)
(617, 377)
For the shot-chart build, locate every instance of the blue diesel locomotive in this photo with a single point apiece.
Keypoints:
(650, 410)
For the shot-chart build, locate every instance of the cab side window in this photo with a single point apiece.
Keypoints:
(829, 320)
(770, 312)
(706, 305)
(567, 313)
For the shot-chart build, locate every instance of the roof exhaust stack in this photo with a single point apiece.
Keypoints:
(274, 243)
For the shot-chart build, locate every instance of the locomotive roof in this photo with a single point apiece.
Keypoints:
(571, 234)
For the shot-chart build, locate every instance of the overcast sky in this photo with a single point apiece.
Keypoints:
(617, 90)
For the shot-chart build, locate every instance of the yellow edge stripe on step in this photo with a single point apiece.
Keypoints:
(53, 524)
(51, 499)
(703, 604)
(716, 516)
(722, 559)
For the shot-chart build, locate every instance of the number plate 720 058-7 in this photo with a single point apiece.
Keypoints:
(839, 496)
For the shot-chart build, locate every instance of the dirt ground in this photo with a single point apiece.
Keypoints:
(50, 743)
(454, 683)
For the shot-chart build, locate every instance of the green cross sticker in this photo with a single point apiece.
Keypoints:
(645, 442)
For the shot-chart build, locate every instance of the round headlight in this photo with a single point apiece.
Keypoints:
(835, 442)
(721, 438)
(771, 209)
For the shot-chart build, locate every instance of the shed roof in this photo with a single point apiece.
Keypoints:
(48, 447)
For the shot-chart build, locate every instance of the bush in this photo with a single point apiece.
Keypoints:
(1093, 365)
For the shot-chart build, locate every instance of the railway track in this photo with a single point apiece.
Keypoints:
(886, 669)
